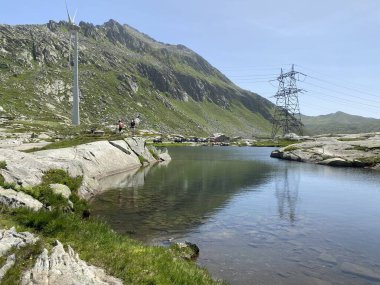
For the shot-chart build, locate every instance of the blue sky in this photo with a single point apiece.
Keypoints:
(336, 43)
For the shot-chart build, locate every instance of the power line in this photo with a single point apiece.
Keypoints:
(338, 92)
(343, 81)
(287, 115)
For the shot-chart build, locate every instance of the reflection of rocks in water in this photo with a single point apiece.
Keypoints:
(118, 180)
(287, 194)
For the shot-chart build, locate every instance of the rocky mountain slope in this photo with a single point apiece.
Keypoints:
(122, 72)
(340, 123)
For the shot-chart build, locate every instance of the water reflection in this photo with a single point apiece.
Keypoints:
(180, 196)
(256, 220)
(287, 185)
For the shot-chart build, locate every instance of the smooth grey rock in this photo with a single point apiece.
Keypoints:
(8, 265)
(360, 271)
(138, 146)
(14, 199)
(94, 161)
(123, 146)
(65, 268)
(60, 189)
(164, 156)
(338, 150)
(11, 238)
(29, 168)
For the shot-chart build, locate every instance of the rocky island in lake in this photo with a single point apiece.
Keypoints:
(354, 150)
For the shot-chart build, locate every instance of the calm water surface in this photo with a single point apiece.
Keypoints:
(255, 219)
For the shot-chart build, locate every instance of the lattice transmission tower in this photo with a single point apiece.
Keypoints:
(287, 116)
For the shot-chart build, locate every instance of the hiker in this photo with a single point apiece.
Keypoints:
(120, 125)
(133, 126)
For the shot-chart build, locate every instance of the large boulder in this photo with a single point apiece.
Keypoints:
(14, 199)
(60, 189)
(65, 268)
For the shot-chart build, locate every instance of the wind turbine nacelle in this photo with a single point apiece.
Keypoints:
(73, 27)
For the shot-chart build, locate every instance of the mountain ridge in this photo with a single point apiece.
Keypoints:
(122, 72)
(340, 122)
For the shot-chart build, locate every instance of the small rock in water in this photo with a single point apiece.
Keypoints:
(325, 257)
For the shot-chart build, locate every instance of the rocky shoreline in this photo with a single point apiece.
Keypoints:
(94, 162)
(358, 150)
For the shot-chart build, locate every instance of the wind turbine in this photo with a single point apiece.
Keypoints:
(73, 29)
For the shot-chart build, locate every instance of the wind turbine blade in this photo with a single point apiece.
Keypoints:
(75, 16)
(68, 14)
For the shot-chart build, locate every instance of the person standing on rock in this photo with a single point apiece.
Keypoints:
(133, 126)
(120, 125)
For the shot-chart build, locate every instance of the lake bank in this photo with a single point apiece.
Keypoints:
(67, 219)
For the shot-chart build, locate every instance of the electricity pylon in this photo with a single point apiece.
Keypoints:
(287, 117)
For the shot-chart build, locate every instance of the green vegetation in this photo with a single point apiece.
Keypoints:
(3, 164)
(95, 241)
(154, 152)
(291, 148)
(170, 144)
(274, 143)
(370, 161)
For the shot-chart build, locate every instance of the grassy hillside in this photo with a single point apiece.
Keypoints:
(340, 122)
(122, 72)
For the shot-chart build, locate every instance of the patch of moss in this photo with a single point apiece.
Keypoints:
(290, 148)
(3, 164)
(273, 143)
(370, 161)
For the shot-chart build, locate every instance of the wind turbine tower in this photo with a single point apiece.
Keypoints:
(73, 29)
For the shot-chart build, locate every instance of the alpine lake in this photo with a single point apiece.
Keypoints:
(256, 220)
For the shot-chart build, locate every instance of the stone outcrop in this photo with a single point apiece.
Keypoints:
(12, 239)
(59, 268)
(94, 161)
(138, 146)
(14, 199)
(65, 268)
(359, 150)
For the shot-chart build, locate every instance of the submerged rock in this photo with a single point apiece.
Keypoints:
(360, 271)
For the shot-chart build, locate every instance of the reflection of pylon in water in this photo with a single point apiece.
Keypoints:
(287, 115)
(287, 195)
